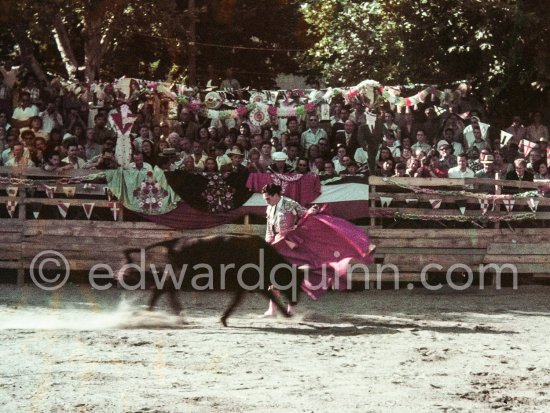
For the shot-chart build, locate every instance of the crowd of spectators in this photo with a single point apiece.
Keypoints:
(56, 131)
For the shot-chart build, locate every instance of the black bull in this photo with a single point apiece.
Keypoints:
(237, 263)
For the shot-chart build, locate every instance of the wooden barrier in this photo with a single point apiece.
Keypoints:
(408, 244)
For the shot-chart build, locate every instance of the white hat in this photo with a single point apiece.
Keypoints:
(68, 136)
(279, 156)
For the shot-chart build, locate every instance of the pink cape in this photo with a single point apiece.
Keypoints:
(326, 245)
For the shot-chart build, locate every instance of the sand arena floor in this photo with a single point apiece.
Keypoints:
(80, 350)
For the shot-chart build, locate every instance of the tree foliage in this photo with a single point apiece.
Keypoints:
(494, 43)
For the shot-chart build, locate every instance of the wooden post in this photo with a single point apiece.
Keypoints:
(498, 191)
(22, 218)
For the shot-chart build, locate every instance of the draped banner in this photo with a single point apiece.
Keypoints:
(142, 191)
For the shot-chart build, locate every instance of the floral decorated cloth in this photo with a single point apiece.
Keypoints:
(146, 192)
(208, 191)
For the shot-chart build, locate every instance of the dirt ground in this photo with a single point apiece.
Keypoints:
(80, 350)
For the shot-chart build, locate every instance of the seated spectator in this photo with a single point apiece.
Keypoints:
(387, 168)
(107, 159)
(302, 166)
(72, 156)
(413, 166)
(500, 166)
(210, 165)
(401, 170)
(279, 164)
(520, 172)
(38, 151)
(54, 163)
(436, 171)
(329, 172)
(487, 172)
(138, 163)
(18, 157)
(542, 171)
(253, 164)
(384, 155)
(338, 159)
(421, 142)
(461, 170)
(447, 160)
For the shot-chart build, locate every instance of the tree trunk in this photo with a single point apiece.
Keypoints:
(27, 52)
(64, 46)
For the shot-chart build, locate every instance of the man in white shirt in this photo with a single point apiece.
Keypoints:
(138, 163)
(313, 134)
(461, 170)
(51, 118)
(72, 158)
(23, 113)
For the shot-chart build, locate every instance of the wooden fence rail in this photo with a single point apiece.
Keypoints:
(471, 238)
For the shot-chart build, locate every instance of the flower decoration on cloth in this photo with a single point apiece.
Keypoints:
(258, 117)
(218, 194)
(257, 97)
(213, 100)
(150, 194)
(242, 111)
(122, 121)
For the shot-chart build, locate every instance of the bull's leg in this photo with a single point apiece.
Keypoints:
(275, 298)
(155, 295)
(176, 306)
(231, 307)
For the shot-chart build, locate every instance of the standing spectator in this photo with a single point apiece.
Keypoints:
(517, 130)
(51, 118)
(23, 113)
(187, 126)
(537, 130)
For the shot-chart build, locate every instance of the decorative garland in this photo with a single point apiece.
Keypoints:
(465, 218)
(188, 97)
(417, 189)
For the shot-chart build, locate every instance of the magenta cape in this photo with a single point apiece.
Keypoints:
(326, 245)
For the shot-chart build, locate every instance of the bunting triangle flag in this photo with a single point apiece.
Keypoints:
(35, 214)
(12, 190)
(509, 204)
(50, 190)
(411, 201)
(88, 208)
(533, 204)
(385, 201)
(63, 208)
(505, 138)
(439, 110)
(461, 204)
(10, 206)
(527, 146)
(115, 208)
(69, 191)
(435, 203)
(484, 205)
